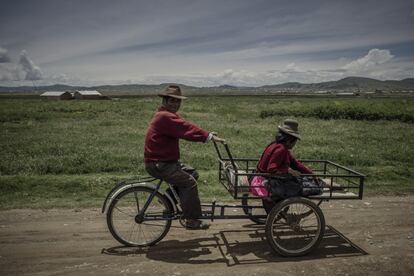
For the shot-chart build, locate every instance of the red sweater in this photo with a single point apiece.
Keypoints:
(164, 131)
(277, 158)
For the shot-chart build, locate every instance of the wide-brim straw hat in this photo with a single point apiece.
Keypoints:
(290, 127)
(173, 91)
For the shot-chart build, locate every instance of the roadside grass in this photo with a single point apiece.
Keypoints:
(70, 153)
(353, 109)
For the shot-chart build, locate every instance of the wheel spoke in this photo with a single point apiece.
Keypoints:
(132, 231)
(136, 200)
(123, 212)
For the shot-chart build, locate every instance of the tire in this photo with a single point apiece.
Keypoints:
(255, 211)
(295, 227)
(122, 212)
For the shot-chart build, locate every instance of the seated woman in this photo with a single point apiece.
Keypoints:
(278, 160)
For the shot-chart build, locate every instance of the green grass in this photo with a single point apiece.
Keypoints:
(70, 153)
(353, 109)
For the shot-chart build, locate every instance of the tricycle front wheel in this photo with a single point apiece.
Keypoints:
(295, 227)
(130, 229)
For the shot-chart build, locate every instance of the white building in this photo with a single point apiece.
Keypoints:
(88, 95)
(56, 95)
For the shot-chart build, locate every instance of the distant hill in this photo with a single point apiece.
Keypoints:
(409, 81)
(349, 84)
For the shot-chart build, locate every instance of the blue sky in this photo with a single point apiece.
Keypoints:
(203, 43)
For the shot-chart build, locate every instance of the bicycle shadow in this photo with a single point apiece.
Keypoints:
(237, 247)
(333, 245)
(175, 251)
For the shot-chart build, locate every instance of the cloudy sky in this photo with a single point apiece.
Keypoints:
(204, 43)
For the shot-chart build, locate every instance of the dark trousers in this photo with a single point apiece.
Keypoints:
(184, 180)
(270, 202)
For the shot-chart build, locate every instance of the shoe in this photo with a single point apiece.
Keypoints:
(195, 224)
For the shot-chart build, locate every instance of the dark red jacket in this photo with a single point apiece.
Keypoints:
(164, 131)
(277, 158)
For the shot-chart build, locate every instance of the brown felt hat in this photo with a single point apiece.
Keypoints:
(290, 127)
(173, 91)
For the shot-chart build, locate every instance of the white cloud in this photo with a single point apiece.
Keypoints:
(369, 62)
(33, 72)
(4, 57)
(25, 69)
(378, 64)
(288, 73)
(292, 68)
(10, 72)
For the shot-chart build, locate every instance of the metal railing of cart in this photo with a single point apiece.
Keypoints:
(235, 175)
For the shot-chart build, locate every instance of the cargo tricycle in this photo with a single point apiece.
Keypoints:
(140, 212)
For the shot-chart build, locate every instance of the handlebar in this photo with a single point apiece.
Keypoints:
(226, 147)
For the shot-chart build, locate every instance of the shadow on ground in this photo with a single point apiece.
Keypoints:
(237, 247)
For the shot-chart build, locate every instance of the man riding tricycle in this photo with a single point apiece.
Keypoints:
(277, 191)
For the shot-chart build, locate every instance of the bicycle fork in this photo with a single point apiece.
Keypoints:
(139, 218)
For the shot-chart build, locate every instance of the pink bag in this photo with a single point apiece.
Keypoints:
(257, 187)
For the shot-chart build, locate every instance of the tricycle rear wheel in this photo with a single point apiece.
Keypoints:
(295, 227)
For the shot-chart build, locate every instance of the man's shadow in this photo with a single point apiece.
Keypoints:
(247, 246)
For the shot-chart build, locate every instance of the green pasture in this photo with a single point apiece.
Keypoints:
(70, 153)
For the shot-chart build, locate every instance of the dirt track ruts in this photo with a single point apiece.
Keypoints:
(374, 236)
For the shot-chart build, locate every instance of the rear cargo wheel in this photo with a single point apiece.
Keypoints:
(295, 227)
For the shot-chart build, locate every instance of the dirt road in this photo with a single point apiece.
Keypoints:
(374, 236)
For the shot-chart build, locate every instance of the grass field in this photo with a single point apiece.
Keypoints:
(70, 153)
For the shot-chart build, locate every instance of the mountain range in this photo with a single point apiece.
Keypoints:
(349, 84)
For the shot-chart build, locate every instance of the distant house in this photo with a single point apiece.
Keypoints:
(56, 95)
(88, 95)
(346, 94)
